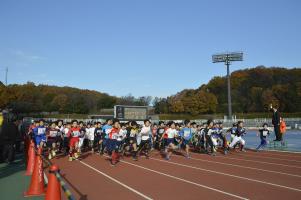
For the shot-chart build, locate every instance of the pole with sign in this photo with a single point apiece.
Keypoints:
(227, 58)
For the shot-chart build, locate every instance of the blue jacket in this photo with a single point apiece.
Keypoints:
(39, 131)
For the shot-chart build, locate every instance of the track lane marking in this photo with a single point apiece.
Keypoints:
(241, 166)
(186, 181)
(230, 175)
(255, 161)
(268, 157)
(116, 181)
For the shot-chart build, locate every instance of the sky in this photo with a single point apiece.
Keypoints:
(143, 47)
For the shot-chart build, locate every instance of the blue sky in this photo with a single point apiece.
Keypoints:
(143, 47)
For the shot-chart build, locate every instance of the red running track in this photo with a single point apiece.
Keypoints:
(238, 175)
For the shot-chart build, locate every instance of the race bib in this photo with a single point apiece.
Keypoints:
(186, 133)
(75, 133)
(53, 133)
(145, 137)
(265, 133)
(114, 136)
(107, 131)
(161, 131)
(133, 134)
(41, 131)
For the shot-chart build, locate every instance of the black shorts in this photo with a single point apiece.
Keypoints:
(50, 141)
(132, 140)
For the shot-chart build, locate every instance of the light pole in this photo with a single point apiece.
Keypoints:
(227, 58)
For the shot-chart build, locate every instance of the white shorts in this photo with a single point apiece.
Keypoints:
(237, 139)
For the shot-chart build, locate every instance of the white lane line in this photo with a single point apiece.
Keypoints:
(116, 181)
(269, 153)
(263, 156)
(231, 175)
(245, 167)
(184, 180)
(255, 161)
(280, 151)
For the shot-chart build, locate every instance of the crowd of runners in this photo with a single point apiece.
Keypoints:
(117, 139)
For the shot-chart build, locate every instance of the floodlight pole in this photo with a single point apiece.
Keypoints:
(227, 58)
(227, 62)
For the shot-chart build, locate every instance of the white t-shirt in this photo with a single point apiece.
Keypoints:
(66, 131)
(145, 133)
(90, 133)
(121, 135)
(171, 133)
(61, 130)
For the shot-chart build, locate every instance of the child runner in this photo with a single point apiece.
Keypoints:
(160, 131)
(132, 138)
(232, 131)
(81, 136)
(106, 129)
(112, 144)
(97, 137)
(186, 135)
(145, 138)
(121, 137)
(240, 131)
(40, 134)
(263, 133)
(74, 133)
(170, 140)
(66, 138)
(52, 140)
(90, 136)
(209, 131)
(60, 129)
(154, 135)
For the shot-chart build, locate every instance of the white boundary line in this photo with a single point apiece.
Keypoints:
(268, 157)
(186, 181)
(269, 152)
(231, 175)
(241, 166)
(116, 181)
(255, 161)
(280, 151)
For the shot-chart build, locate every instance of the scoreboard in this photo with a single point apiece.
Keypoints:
(126, 113)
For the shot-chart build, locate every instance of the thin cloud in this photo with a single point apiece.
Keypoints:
(27, 57)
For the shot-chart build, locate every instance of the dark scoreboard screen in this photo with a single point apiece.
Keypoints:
(130, 112)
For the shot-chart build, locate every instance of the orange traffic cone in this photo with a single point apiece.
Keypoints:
(53, 188)
(31, 158)
(36, 187)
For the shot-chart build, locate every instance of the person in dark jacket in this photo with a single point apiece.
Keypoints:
(276, 123)
(8, 137)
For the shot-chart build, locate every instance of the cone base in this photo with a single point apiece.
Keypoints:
(26, 194)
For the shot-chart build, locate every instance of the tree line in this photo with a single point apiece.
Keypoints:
(28, 98)
(252, 91)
